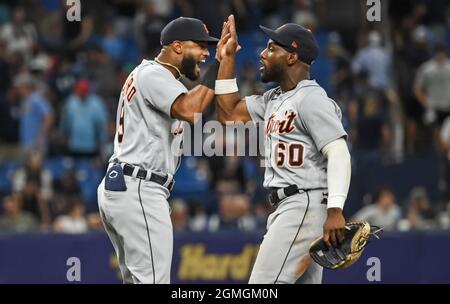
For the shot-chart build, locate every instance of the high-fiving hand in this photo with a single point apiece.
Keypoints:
(228, 44)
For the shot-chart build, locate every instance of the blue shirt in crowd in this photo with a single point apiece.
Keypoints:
(84, 123)
(34, 111)
(376, 62)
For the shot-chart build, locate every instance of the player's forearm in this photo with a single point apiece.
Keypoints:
(338, 172)
(198, 99)
(226, 103)
(193, 102)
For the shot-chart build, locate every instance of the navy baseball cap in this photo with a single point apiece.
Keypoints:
(184, 29)
(295, 38)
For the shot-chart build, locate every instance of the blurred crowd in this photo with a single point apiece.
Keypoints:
(60, 81)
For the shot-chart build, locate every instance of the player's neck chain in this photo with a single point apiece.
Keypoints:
(169, 65)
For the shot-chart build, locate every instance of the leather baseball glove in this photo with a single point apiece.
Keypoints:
(346, 252)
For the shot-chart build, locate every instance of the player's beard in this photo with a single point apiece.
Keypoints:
(188, 64)
(273, 74)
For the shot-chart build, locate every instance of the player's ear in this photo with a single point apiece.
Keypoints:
(177, 47)
(292, 58)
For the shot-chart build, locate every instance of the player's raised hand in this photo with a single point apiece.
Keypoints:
(232, 46)
(224, 37)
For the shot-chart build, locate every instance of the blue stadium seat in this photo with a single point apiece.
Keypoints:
(59, 165)
(88, 188)
(189, 182)
(88, 177)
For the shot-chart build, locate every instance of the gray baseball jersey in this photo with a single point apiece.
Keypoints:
(137, 218)
(298, 124)
(146, 133)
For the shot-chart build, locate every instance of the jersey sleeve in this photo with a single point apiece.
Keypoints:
(321, 117)
(159, 88)
(256, 105)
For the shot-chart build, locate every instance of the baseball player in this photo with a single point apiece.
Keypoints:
(152, 107)
(307, 159)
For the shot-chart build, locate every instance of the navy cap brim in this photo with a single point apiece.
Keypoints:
(272, 35)
(207, 39)
(210, 39)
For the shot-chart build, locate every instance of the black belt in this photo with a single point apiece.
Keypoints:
(142, 174)
(279, 194)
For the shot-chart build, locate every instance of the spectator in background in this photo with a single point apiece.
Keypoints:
(444, 217)
(33, 170)
(303, 14)
(94, 221)
(10, 107)
(10, 119)
(97, 66)
(234, 214)
(246, 221)
(433, 91)
(36, 116)
(35, 203)
(413, 54)
(14, 219)
(341, 78)
(148, 23)
(383, 213)
(74, 221)
(198, 220)
(66, 189)
(444, 174)
(179, 215)
(5, 67)
(19, 35)
(432, 87)
(370, 133)
(111, 42)
(84, 122)
(229, 168)
(40, 62)
(63, 80)
(375, 60)
(77, 34)
(420, 215)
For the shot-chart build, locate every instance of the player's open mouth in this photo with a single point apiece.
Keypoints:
(262, 66)
(197, 64)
